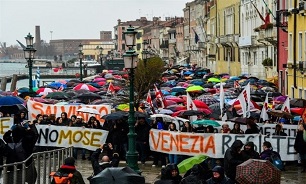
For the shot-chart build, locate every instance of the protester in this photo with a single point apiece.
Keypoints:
(279, 130)
(77, 123)
(232, 158)
(2, 153)
(158, 156)
(142, 128)
(225, 129)
(236, 129)
(20, 141)
(199, 173)
(69, 168)
(173, 158)
(249, 151)
(65, 118)
(169, 174)
(300, 145)
(219, 177)
(267, 151)
(187, 127)
(210, 129)
(251, 128)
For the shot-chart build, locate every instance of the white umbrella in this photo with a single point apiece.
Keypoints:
(165, 111)
(88, 110)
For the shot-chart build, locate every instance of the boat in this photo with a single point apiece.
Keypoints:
(87, 63)
(45, 63)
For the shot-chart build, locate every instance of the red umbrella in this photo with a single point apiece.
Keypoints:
(175, 108)
(176, 99)
(297, 110)
(86, 87)
(206, 111)
(200, 104)
(170, 102)
(101, 83)
(44, 91)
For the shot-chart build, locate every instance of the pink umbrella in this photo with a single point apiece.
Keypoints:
(99, 79)
(101, 83)
(170, 102)
(86, 87)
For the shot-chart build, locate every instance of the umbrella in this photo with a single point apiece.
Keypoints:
(89, 96)
(115, 115)
(298, 111)
(166, 118)
(176, 99)
(178, 89)
(59, 95)
(191, 113)
(207, 99)
(176, 108)
(86, 87)
(241, 120)
(200, 104)
(98, 79)
(188, 163)
(194, 88)
(10, 100)
(298, 102)
(280, 113)
(44, 91)
(165, 92)
(215, 80)
(254, 171)
(234, 78)
(165, 111)
(13, 109)
(88, 110)
(57, 85)
(206, 122)
(115, 175)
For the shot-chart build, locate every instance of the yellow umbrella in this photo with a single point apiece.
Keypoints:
(224, 79)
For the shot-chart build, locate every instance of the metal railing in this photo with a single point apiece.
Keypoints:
(36, 168)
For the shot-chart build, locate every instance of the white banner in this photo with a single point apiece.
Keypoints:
(215, 145)
(62, 136)
(36, 108)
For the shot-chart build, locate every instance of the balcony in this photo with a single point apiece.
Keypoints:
(201, 45)
(172, 41)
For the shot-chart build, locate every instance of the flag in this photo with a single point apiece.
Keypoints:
(190, 103)
(61, 88)
(222, 103)
(149, 100)
(261, 17)
(159, 96)
(286, 105)
(111, 88)
(236, 84)
(264, 115)
(267, 20)
(196, 36)
(15, 93)
(245, 101)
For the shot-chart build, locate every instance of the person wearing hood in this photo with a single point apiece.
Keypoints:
(300, 145)
(69, 168)
(232, 158)
(279, 130)
(219, 177)
(267, 151)
(197, 175)
(249, 151)
(170, 174)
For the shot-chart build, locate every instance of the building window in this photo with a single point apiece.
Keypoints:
(304, 93)
(300, 92)
(123, 36)
(290, 47)
(123, 46)
(292, 91)
(255, 58)
(229, 21)
(139, 34)
(138, 46)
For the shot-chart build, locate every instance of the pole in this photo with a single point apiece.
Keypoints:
(132, 155)
(294, 46)
(30, 76)
(81, 69)
(101, 62)
(228, 62)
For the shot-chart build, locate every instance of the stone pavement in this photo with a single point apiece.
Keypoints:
(292, 175)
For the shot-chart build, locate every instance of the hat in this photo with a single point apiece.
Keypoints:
(218, 169)
(80, 117)
(70, 161)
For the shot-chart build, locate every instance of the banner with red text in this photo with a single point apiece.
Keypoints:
(36, 108)
(215, 145)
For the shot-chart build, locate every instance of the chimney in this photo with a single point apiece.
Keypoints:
(37, 40)
(119, 21)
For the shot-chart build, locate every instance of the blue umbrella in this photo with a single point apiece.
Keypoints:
(197, 82)
(165, 92)
(178, 89)
(10, 100)
(57, 85)
(234, 78)
(95, 84)
(187, 73)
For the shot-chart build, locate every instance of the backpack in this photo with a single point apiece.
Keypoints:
(276, 161)
(16, 151)
(61, 178)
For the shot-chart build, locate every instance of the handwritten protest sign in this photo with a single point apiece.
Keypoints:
(5, 124)
(215, 145)
(59, 136)
(36, 108)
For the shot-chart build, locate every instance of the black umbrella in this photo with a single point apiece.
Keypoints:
(115, 115)
(13, 109)
(115, 175)
(58, 95)
(191, 113)
(241, 120)
(88, 96)
(298, 102)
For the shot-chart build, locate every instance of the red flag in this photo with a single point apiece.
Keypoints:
(61, 88)
(159, 96)
(15, 93)
(111, 88)
(236, 84)
(149, 100)
(261, 17)
(267, 20)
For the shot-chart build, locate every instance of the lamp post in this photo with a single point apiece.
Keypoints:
(101, 57)
(130, 62)
(145, 52)
(81, 64)
(29, 52)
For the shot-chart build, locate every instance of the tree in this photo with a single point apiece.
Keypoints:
(146, 76)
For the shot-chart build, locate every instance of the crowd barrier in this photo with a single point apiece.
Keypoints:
(36, 168)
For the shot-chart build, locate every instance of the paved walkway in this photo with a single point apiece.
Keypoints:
(292, 175)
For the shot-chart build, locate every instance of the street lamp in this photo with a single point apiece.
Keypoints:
(101, 56)
(81, 64)
(130, 62)
(145, 52)
(29, 52)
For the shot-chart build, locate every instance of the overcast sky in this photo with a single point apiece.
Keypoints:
(76, 18)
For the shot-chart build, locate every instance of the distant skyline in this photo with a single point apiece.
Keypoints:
(76, 19)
